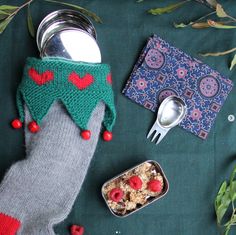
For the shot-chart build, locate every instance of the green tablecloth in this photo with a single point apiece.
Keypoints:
(195, 168)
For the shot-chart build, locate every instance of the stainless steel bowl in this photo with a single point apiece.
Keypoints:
(68, 34)
(61, 19)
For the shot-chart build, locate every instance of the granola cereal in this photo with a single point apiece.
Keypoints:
(134, 195)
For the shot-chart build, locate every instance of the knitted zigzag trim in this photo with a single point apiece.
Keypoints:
(79, 86)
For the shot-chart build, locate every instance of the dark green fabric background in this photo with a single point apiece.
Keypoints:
(195, 168)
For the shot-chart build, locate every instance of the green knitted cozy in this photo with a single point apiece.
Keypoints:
(79, 86)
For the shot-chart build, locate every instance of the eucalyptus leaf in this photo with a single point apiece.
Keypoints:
(3, 15)
(4, 24)
(200, 25)
(233, 191)
(81, 9)
(8, 7)
(30, 23)
(181, 25)
(232, 176)
(224, 199)
(227, 229)
(220, 194)
(224, 205)
(233, 219)
(233, 63)
(220, 12)
(4, 12)
(219, 25)
(167, 9)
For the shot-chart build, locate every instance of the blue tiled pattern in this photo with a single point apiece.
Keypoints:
(164, 70)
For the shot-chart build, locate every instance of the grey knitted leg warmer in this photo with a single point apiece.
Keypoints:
(40, 191)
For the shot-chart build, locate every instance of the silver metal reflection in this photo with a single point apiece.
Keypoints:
(68, 34)
(170, 113)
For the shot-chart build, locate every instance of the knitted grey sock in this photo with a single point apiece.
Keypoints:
(40, 191)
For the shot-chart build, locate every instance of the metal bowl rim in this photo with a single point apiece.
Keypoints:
(67, 29)
(54, 14)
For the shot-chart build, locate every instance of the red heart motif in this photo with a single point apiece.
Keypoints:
(76, 230)
(41, 79)
(81, 82)
(109, 78)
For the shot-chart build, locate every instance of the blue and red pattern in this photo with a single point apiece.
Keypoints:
(163, 70)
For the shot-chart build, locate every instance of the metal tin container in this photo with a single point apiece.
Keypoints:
(68, 34)
(162, 194)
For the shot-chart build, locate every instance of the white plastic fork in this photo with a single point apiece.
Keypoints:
(170, 113)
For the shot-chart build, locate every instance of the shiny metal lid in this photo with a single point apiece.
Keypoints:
(69, 34)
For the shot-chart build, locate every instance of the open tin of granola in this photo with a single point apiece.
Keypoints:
(135, 188)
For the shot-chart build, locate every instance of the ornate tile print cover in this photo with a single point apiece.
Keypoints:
(164, 70)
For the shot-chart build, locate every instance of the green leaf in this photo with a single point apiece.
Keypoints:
(181, 25)
(232, 176)
(227, 230)
(81, 9)
(220, 194)
(30, 23)
(233, 219)
(220, 12)
(4, 24)
(167, 9)
(8, 7)
(216, 25)
(6, 10)
(223, 200)
(233, 191)
(223, 206)
(233, 63)
(2, 17)
(4, 13)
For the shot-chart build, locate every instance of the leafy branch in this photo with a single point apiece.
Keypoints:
(225, 201)
(8, 12)
(217, 10)
(224, 21)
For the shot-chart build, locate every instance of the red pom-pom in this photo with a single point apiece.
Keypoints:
(109, 78)
(16, 124)
(155, 186)
(86, 134)
(33, 127)
(135, 182)
(116, 194)
(107, 136)
(76, 230)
